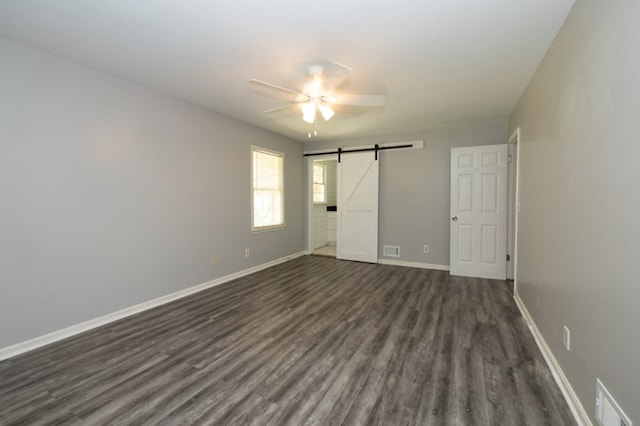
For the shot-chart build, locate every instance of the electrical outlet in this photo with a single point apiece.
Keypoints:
(247, 252)
(566, 338)
(214, 260)
(425, 249)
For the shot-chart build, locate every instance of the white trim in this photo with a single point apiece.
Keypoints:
(309, 201)
(515, 136)
(55, 336)
(579, 414)
(417, 144)
(515, 139)
(413, 264)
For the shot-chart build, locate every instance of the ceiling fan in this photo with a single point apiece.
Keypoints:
(319, 95)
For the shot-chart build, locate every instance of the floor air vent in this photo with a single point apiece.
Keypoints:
(392, 251)
(608, 412)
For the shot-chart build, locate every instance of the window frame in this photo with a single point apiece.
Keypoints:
(324, 183)
(266, 151)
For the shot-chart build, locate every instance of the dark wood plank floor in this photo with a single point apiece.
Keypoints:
(314, 341)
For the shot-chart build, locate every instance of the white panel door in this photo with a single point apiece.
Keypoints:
(358, 207)
(478, 232)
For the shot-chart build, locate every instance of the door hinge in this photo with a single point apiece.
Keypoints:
(509, 158)
(508, 257)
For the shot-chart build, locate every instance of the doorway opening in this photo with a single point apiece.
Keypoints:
(323, 209)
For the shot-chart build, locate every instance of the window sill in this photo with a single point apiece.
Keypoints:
(267, 228)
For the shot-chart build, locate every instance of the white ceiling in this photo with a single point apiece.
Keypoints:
(438, 61)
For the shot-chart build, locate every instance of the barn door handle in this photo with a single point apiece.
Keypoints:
(454, 218)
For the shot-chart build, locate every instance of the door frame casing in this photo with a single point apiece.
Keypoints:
(515, 139)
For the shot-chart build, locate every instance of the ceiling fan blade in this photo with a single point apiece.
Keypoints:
(335, 75)
(358, 100)
(274, 87)
(280, 108)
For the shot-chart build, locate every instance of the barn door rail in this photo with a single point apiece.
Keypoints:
(374, 148)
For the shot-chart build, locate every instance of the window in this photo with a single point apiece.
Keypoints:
(319, 183)
(267, 189)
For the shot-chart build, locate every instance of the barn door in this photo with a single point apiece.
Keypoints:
(358, 207)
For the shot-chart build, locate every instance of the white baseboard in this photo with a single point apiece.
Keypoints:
(55, 336)
(413, 264)
(569, 394)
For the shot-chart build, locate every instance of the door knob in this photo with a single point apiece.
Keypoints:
(454, 218)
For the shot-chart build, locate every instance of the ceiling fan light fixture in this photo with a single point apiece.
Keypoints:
(317, 95)
(309, 112)
(326, 112)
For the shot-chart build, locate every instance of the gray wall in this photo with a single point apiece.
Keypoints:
(580, 187)
(113, 194)
(414, 187)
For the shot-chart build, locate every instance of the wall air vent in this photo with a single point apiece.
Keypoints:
(392, 251)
